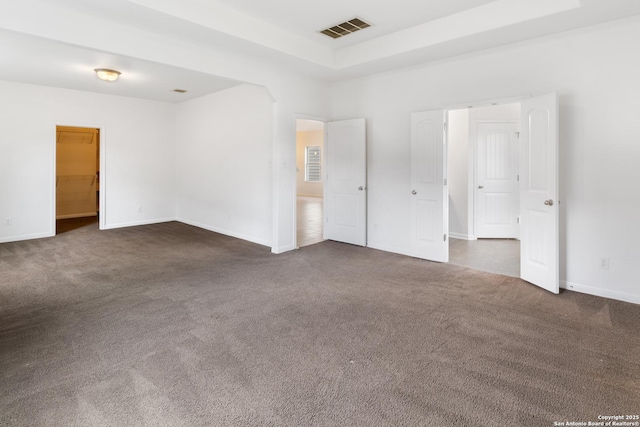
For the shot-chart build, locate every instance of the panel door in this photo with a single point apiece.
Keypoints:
(429, 194)
(539, 253)
(497, 193)
(76, 167)
(346, 182)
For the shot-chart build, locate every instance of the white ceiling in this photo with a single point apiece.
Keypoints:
(276, 33)
(29, 59)
(306, 18)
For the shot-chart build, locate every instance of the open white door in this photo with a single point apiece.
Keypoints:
(539, 249)
(346, 182)
(429, 193)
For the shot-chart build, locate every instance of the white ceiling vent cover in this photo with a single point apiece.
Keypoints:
(346, 28)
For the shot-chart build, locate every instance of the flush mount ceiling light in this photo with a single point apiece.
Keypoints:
(107, 75)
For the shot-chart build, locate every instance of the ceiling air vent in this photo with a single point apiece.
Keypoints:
(346, 28)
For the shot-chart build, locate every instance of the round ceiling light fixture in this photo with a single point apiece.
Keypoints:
(107, 75)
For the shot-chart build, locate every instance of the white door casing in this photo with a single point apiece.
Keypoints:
(346, 182)
(539, 253)
(428, 193)
(76, 167)
(496, 189)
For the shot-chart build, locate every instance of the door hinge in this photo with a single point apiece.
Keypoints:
(518, 135)
(518, 220)
(445, 126)
(445, 181)
(518, 178)
(445, 237)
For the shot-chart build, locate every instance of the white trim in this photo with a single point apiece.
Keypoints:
(462, 236)
(275, 176)
(487, 103)
(10, 239)
(283, 249)
(240, 236)
(599, 292)
(136, 223)
(324, 120)
(102, 201)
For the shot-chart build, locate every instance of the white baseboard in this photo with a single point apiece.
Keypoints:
(599, 292)
(283, 249)
(9, 239)
(462, 236)
(136, 223)
(225, 232)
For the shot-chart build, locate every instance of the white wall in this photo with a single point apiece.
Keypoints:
(311, 138)
(137, 153)
(458, 173)
(295, 95)
(595, 72)
(224, 154)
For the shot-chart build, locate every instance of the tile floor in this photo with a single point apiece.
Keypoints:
(500, 256)
(309, 220)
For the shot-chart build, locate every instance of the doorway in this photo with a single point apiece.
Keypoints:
(77, 177)
(483, 171)
(310, 149)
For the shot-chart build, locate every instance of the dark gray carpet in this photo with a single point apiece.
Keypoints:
(170, 325)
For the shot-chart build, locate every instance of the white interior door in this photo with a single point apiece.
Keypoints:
(497, 192)
(346, 182)
(539, 250)
(429, 193)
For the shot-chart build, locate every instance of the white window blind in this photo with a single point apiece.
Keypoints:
(312, 164)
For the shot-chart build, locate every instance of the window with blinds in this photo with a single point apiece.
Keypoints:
(312, 164)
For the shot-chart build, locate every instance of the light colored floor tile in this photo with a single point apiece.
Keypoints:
(500, 256)
(309, 221)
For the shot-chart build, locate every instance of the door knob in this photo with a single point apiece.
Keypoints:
(361, 188)
(414, 192)
(481, 186)
(548, 202)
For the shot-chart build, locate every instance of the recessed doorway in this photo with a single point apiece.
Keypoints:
(309, 183)
(483, 171)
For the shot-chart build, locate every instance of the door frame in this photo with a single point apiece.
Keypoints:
(471, 179)
(472, 142)
(102, 216)
(323, 166)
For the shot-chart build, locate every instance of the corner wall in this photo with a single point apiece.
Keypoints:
(458, 173)
(137, 138)
(224, 154)
(596, 78)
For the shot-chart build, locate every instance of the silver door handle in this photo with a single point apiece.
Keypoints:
(361, 188)
(414, 192)
(548, 202)
(481, 186)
